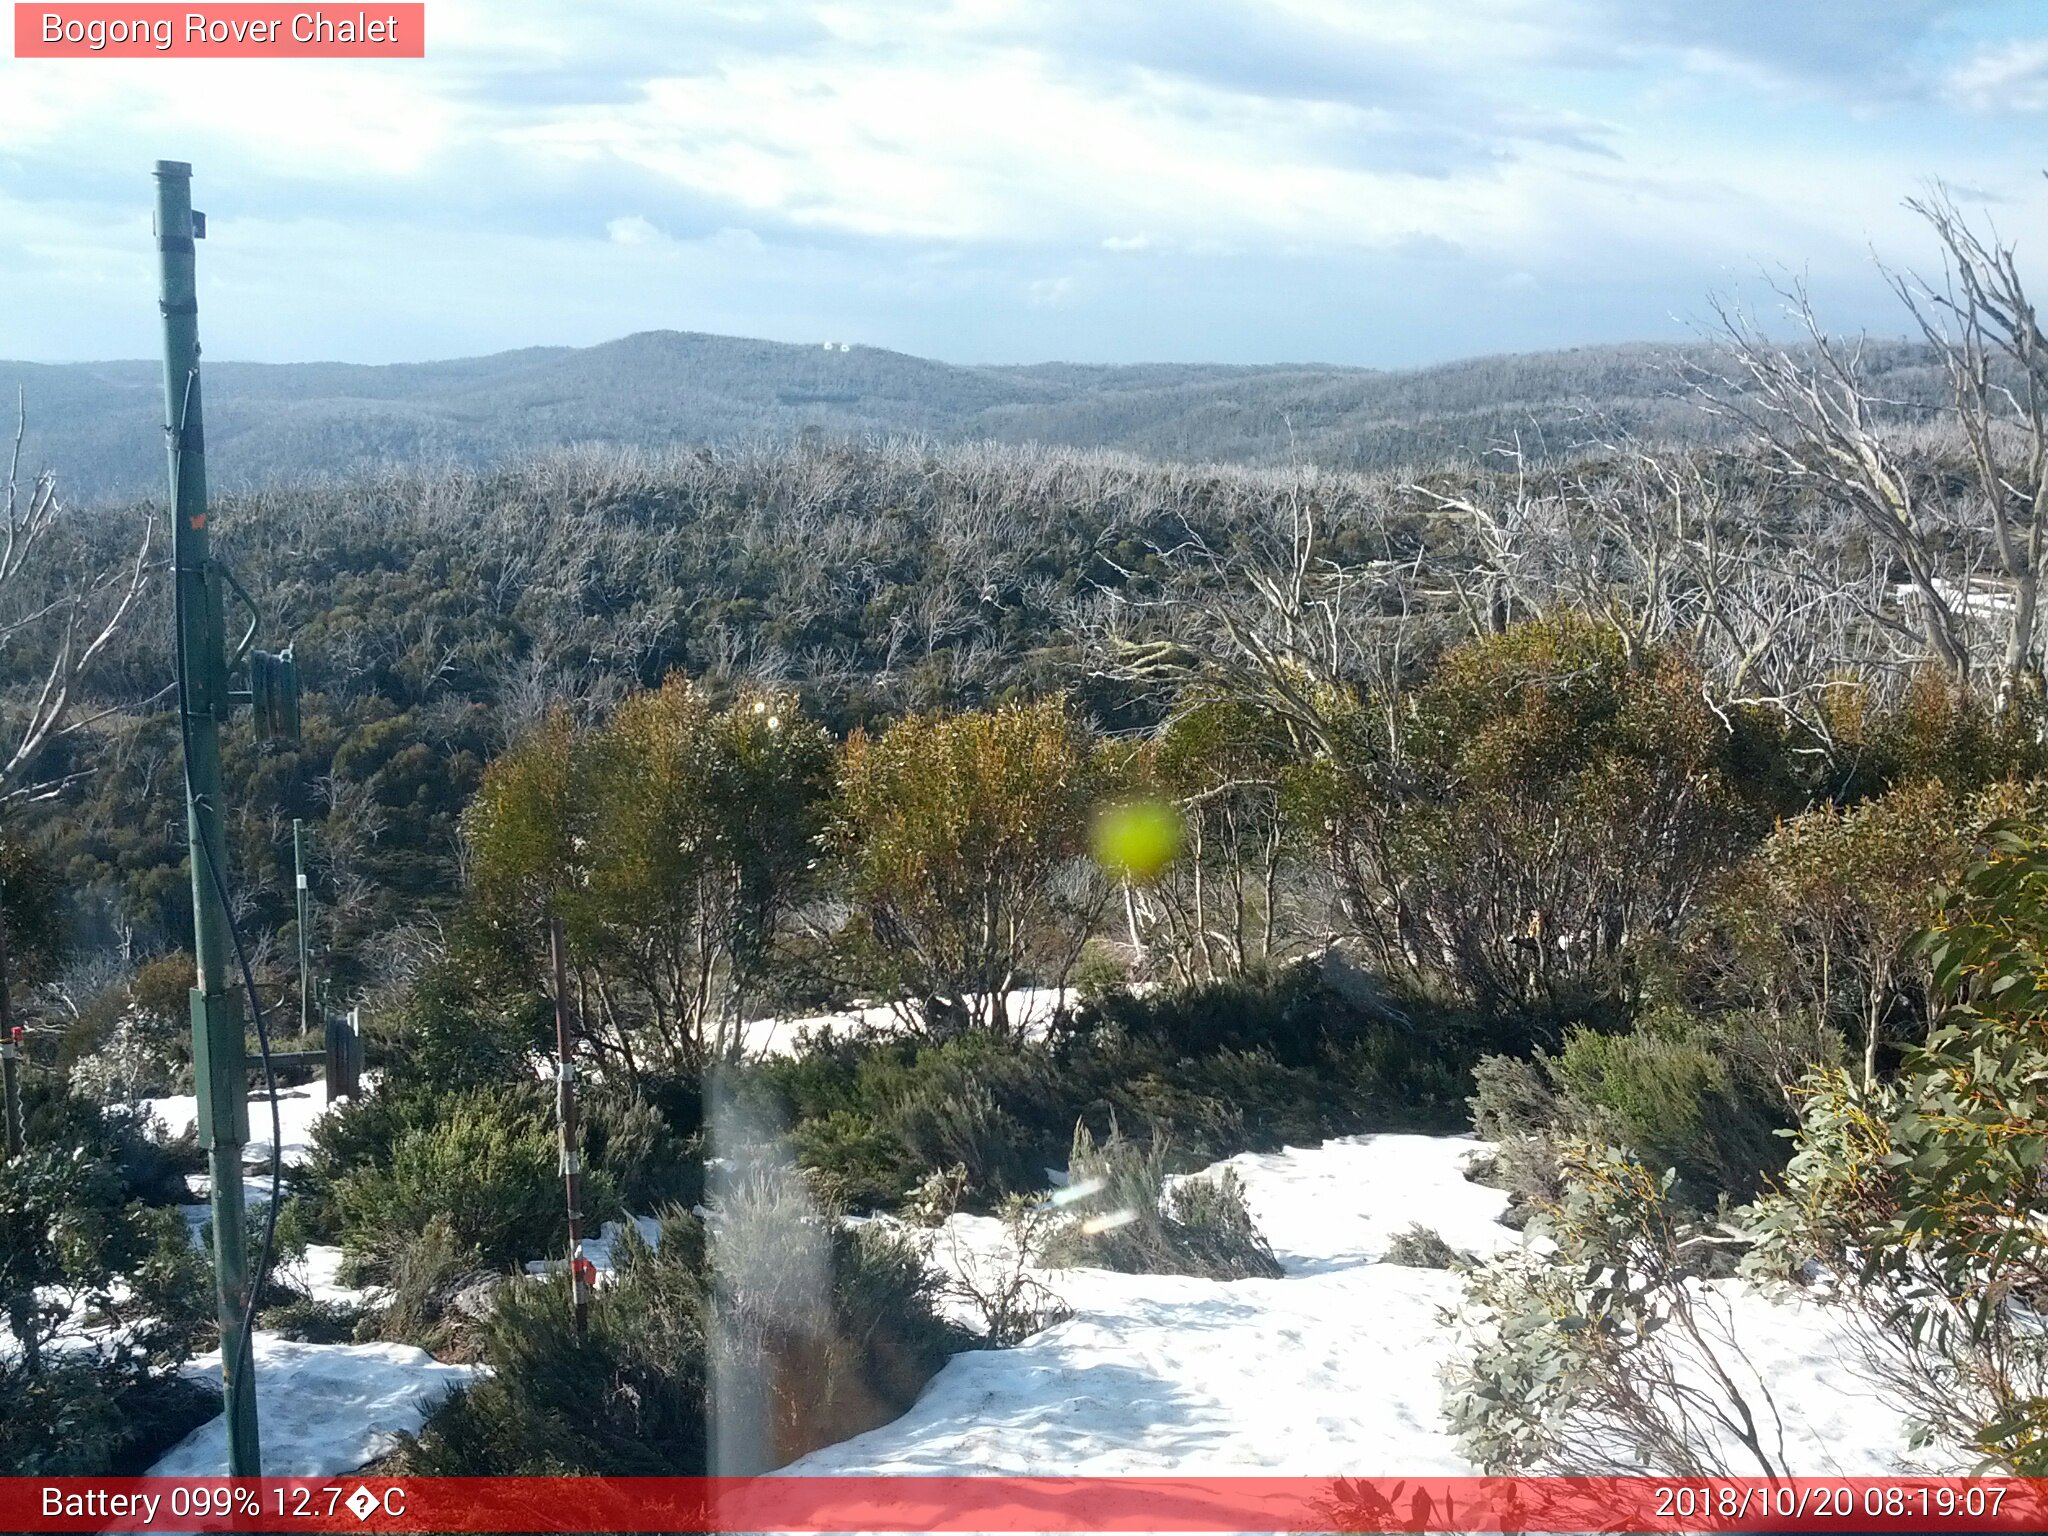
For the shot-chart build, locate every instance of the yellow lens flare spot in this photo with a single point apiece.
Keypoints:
(1137, 839)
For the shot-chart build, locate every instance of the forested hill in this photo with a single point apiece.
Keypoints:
(98, 424)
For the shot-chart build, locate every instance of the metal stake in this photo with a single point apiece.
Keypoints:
(305, 942)
(580, 1270)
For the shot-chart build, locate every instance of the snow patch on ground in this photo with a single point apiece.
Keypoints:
(599, 1249)
(1332, 1369)
(299, 1109)
(1031, 1011)
(321, 1409)
(318, 1274)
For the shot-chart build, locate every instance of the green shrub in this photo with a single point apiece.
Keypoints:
(1289, 1016)
(628, 1400)
(941, 1124)
(859, 1162)
(354, 1136)
(126, 1137)
(1514, 1106)
(835, 1329)
(488, 1164)
(454, 1033)
(1251, 1064)
(61, 1421)
(312, 1322)
(79, 1418)
(1403, 1077)
(633, 1160)
(1211, 1224)
(822, 1075)
(1674, 1091)
(873, 1118)
(1233, 1101)
(1511, 1099)
(421, 1271)
(1128, 1222)
(288, 1244)
(1264, 1061)
(77, 1249)
(463, 1026)
(1170, 1111)
(1420, 1247)
(629, 1147)
(1677, 1104)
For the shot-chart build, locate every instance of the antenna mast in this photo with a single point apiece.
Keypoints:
(219, 1054)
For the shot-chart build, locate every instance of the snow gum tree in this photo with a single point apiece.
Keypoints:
(1547, 802)
(1233, 901)
(672, 842)
(1921, 1200)
(1818, 926)
(966, 839)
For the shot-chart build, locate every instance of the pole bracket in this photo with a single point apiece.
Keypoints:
(220, 1067)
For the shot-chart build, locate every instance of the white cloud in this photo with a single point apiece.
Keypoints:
(632, 230)
(931, 160)
(2006, 77)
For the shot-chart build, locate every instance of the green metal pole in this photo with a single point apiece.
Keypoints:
(305, 943)
(10, 1059)
(10, 1088)
(219, 1055)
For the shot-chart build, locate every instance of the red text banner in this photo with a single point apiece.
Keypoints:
(230, 31)
(1021, 1504)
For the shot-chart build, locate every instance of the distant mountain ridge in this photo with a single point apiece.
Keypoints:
(99, 426)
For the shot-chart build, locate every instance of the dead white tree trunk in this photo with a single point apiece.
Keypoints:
(67, 616)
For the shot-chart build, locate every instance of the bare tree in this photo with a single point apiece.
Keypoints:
(1676, 551)
(1813, 415)
(1971, 558)
(51, 598)
(1984, 329)
(1282, 627)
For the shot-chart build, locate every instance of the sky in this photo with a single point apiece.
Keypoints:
(1375, 182)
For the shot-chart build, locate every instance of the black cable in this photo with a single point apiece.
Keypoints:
(245, 1356)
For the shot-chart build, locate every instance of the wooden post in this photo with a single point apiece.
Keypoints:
(343, 1059)
(581, 1272)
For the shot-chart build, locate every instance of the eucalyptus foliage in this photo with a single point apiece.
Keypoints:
(1922, 1200)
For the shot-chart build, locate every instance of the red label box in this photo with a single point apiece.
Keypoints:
(377, 30)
